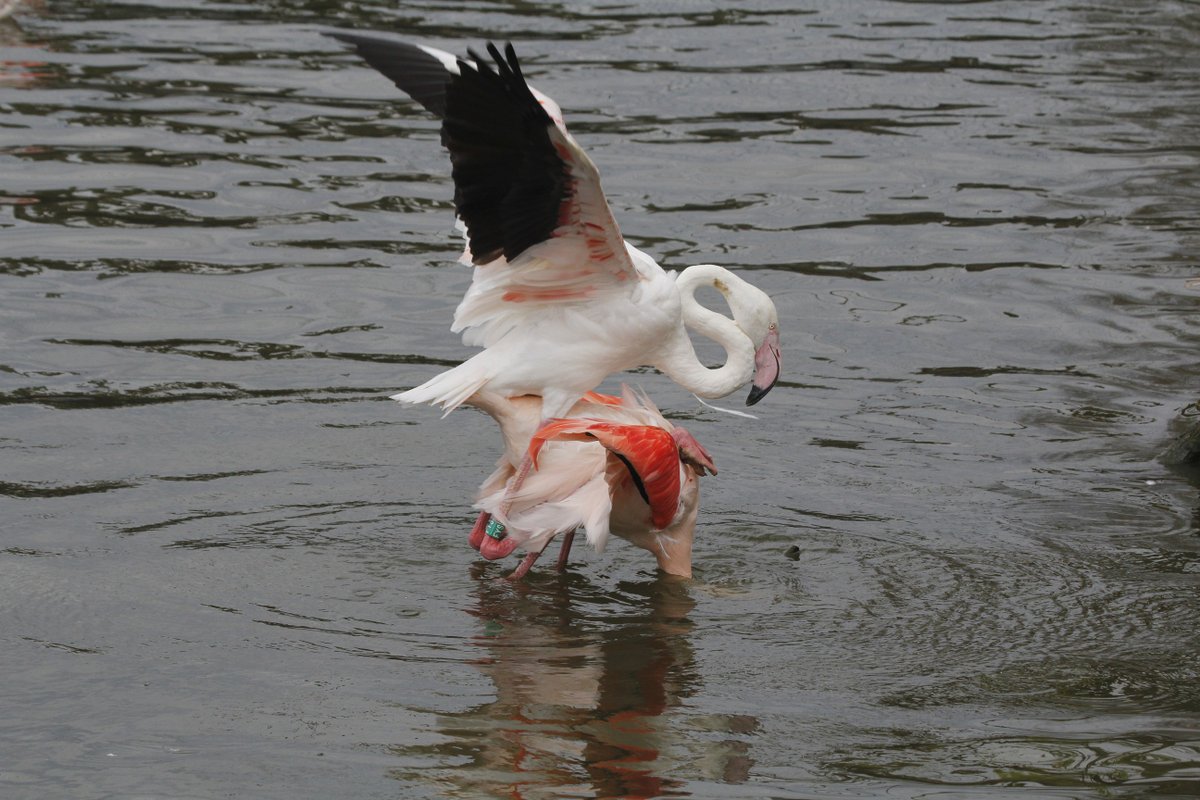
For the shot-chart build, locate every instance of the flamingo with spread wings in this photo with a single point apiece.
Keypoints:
(616, 466)
(559, 300)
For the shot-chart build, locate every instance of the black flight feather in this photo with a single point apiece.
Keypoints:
(416, 73)
(633, 473)
(510, 183)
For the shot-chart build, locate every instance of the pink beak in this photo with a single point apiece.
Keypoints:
(766, 368)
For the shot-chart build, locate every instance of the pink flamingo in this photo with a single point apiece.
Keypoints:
(615, 467)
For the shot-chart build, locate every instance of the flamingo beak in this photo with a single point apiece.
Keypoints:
(766, 367)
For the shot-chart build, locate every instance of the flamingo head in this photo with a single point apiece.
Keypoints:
(767, 360)
(754, 316)
(754, 312)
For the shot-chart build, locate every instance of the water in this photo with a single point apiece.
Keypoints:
(230, 567)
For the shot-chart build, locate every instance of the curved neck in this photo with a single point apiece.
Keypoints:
(679, 360)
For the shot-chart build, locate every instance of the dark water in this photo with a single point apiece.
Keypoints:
(230, 568)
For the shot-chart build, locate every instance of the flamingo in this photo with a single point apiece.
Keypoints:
(558, 299)
(616, 466)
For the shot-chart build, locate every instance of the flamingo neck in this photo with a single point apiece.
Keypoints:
(680, 361)
(673, 553)
(672, 548)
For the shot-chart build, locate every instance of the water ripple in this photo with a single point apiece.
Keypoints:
(42, 490)
(1167, 765)
(104, 396)
(1075, 684)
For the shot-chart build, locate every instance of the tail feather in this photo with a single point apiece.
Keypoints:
(448, 389)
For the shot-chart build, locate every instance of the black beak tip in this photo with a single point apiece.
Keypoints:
(756, 394)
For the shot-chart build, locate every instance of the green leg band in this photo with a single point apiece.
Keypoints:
(495, 529)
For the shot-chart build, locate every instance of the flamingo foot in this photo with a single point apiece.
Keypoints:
(565, 552)
(522, 568)
(478, 532)
(692, 452)
(492, 549)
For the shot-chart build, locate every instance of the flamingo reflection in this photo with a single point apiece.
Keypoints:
(20, 72)
(589, 699)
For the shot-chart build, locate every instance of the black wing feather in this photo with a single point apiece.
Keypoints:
(416, 73)
(633, 473)
(510, 184)
(509, 180)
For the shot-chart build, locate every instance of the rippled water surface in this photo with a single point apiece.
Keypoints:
(229, 567)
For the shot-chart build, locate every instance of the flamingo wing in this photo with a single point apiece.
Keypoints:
(422, 73)
(650, 454)
(529, 196)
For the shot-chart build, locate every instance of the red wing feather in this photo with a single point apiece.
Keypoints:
(560, 430)
(651, 455)
(602, 399)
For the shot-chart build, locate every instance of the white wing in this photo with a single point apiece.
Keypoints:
(540, 231)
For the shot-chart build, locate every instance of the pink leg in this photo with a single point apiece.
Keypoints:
(490, 547)
(515, 483)
(477, 533)
(566, 550)
(523, 567)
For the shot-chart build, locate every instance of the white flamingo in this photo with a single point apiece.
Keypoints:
(558, 300)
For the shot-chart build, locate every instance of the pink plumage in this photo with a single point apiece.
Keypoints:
(615, 467)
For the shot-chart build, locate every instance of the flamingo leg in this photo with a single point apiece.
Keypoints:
(515, 484)
(477, 532)
(565, 552)
(523, 567)
(498, 546)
